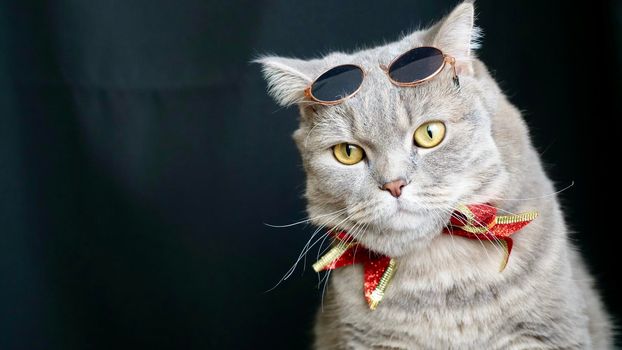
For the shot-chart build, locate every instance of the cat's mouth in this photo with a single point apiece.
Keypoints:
(397, 230)
(392, 227)
(403, 209)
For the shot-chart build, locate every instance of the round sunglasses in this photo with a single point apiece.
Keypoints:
(411, 68)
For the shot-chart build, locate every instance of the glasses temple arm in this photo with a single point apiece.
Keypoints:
(452, 61)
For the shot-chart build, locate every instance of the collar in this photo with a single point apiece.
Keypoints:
(473, 221)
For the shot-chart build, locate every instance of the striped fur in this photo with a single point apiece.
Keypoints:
(447, 292)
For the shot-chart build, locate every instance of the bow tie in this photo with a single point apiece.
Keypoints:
(475, 221)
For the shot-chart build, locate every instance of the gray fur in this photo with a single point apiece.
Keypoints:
(447, 292)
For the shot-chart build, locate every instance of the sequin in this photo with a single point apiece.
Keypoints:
(375, 266)
(480, 221)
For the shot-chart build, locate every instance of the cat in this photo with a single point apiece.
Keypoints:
(447, 292)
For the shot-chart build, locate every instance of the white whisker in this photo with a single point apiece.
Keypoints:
(356, 209)
(304, 221)
(548, 195)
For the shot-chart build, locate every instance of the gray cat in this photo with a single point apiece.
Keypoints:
(447, 291)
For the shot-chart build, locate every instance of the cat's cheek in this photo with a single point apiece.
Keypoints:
(330, 172)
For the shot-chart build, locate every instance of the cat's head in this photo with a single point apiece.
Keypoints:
(381, 119)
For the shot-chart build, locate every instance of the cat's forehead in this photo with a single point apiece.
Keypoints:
(370, 58)
(381, 110)
(377, 94)
(378, 101)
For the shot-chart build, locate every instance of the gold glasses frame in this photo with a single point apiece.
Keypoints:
(447, 59)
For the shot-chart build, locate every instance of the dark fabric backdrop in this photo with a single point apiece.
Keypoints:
(140, 157)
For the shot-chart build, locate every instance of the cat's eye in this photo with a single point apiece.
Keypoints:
(348, 154)
(429, 134)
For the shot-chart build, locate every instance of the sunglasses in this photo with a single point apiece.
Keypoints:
(411, 68)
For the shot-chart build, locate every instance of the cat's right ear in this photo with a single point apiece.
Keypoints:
(457, 35)
(286, 78)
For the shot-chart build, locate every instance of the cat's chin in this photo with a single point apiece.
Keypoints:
(393, 231)
(398, 238)
(397, 243)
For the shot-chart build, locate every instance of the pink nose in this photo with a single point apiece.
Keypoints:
(395, 187)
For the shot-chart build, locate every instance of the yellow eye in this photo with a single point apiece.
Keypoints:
(429, 134)
(348, 154)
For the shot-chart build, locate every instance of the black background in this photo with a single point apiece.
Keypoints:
(140, 157)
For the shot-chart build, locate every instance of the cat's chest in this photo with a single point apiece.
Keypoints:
(435, 281)
(416, 312)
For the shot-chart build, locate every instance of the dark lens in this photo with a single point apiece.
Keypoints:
(337, 83)
(416, 65)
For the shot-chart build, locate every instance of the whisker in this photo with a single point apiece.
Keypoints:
(355, 233)
(302, 253)
(357, 209)
(324, 289)
(461, 220)
(548, 195)
(303, 221)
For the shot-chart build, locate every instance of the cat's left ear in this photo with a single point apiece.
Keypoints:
(287, 78)
(457, 35)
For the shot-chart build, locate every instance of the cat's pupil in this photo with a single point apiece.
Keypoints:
(348, 150)
(430, 131)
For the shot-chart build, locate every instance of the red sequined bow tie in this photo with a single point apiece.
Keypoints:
(475, 221)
